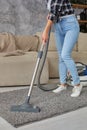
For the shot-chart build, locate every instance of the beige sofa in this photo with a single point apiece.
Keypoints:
(18, 55)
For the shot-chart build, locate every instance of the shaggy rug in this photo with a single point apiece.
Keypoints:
(51, 104)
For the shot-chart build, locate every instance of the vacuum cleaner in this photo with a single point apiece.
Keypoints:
(26, 106)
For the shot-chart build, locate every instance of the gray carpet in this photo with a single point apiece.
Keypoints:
(51, 105)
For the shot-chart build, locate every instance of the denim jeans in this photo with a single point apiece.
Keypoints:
(66, 35)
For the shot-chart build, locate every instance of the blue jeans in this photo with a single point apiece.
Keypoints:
(66, 35)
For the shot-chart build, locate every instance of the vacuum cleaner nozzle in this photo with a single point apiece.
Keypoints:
(25, 107)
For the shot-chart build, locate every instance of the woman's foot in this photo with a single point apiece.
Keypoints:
(60, 88)
(76, 91)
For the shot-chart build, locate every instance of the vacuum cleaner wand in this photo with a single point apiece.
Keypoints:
(26, 106)
(40, 53)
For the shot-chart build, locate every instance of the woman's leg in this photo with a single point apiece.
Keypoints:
(59, 44)
(69, 42)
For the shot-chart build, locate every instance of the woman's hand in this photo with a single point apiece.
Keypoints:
(44, 37)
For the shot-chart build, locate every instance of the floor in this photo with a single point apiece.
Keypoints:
(76, 120)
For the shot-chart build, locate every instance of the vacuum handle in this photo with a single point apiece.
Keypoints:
(40, 53)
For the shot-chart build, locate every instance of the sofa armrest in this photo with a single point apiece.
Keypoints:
(27, 42)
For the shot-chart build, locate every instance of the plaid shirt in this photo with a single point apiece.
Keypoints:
(58, 8)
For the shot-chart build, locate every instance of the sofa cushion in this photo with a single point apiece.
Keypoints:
(82, 42)
(27, 42)
(18, 70)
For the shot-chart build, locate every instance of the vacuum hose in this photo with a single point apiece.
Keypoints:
(45, 49)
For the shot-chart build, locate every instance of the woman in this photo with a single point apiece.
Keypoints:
(61, 15)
